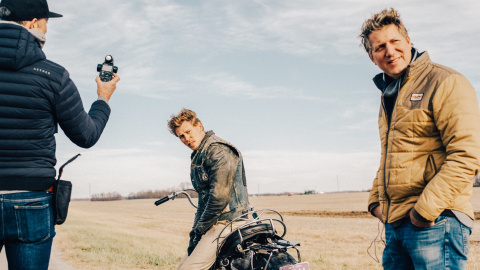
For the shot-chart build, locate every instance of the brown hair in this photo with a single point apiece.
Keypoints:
(184, 115)
(377, 22)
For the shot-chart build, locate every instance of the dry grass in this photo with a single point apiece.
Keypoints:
(137, 235)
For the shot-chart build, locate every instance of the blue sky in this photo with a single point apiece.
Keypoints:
(285, 81)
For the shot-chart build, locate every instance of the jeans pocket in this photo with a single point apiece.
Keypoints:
(33, 221)
(466, 232)
(439, 224)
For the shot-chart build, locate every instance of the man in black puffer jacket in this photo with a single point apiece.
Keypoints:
(36, 95)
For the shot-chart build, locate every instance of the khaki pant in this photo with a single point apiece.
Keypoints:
(204, 254)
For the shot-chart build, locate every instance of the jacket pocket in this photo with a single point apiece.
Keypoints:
(201, 176)
(430, 169)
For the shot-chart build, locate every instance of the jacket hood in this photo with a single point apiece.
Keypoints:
(18, 47)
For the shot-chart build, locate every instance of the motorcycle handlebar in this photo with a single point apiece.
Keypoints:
(174, 195)
(162, 200)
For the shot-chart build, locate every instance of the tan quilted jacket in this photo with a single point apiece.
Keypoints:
(431, 150)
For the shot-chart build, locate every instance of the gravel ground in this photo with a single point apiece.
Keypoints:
(56, 262)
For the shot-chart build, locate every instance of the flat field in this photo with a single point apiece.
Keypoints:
(334, 230)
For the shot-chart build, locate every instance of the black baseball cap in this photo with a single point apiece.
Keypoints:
(27, 10)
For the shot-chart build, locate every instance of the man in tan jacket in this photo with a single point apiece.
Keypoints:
(429, 125)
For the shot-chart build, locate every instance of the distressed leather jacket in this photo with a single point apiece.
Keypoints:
(218, 176)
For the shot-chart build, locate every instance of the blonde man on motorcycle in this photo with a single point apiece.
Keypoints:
(218, 175)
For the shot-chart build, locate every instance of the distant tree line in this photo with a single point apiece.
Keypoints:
(157, 194)
(306, 192)
(144, 194)
(110, 196)
(160, 193)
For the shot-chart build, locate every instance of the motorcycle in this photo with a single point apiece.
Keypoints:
(255, 245)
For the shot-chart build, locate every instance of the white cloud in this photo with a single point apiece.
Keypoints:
(156, 143)
(143, 35)
(225, 84)
(171, 51)
(291, 171)
(123, 170)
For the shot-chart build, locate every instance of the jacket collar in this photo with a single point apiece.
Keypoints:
(202, 144)
(418, 65)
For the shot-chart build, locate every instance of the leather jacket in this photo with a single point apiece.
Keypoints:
(217, 174)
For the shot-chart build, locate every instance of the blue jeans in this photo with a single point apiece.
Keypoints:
(27, 229)
(442, 246)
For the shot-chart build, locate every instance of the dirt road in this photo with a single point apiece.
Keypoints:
(56, 262)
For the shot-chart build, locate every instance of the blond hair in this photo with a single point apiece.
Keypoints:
(377, 22)
(184, 115)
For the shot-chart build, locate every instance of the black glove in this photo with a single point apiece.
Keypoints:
(194, 239)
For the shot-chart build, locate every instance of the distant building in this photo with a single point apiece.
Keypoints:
(476, 180)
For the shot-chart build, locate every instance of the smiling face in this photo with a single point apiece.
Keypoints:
(391, 51)
(190, 135)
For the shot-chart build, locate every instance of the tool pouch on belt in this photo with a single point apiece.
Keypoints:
(62, 191)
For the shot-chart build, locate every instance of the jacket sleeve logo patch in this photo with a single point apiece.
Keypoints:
(42, 70)
(416, 97)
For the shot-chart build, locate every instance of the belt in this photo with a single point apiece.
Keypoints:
(448, 213)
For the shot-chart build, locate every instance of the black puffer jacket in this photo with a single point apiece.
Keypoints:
(36, 95)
